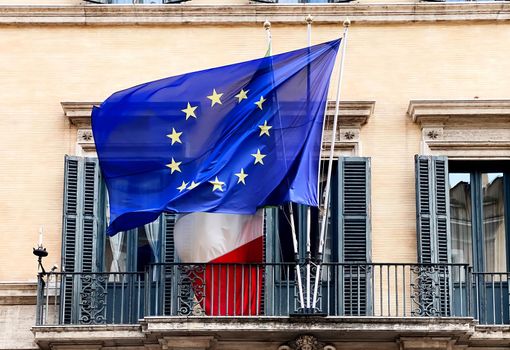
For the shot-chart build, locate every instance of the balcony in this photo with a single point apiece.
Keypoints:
(361, 290)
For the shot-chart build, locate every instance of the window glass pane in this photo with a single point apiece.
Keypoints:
(460, 217)
(494, 222)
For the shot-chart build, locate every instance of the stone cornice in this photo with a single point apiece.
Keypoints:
(463, 128)
(352, 113)
(18, 293)
(459, 112)
(252, 14)
(79, 113)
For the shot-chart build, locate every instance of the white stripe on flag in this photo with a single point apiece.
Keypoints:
(203, 237)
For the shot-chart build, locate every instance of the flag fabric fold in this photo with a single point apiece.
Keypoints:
(230, 139)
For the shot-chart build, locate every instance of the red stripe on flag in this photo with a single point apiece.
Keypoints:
(232, 289)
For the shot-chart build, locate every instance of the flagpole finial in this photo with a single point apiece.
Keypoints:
(267, 25)
(309, 19)
(347, 23)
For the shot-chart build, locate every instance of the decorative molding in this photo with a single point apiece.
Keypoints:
(351, 117)
(255, 13)
(463, 128)
(18, 293)
(306, 342)
(79, 113)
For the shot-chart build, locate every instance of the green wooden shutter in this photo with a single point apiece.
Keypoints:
(82, 225)
(354, 232)
(168, 257)
(433, 232)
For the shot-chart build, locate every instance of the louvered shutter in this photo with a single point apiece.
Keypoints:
(354, 232)
(82, 223)
(168, 258)
(433, 233)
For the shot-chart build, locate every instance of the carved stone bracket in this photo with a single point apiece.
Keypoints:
(352, 116)
(306, 342)
(463, 128)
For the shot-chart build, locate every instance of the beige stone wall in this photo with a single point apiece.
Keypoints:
(15, 324)
(389, 64)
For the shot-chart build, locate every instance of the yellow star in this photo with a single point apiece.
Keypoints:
(215, 98)
(242, 95)
(217, 184)
(175, 136)
(174, 166)
(260, 102)
(193, 185)
(183, 186)
(242, 175)
(190, 111)
(258, 157)
(264, 129)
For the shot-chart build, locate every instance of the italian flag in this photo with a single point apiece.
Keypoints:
(227, 244)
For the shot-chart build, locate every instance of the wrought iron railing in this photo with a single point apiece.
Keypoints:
(245, 290)
(492, 297)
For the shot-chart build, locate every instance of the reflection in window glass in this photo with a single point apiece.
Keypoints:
(494, 222)
(460, 217)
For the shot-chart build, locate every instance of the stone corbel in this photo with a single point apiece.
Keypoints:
(352, 116)
(79, 115)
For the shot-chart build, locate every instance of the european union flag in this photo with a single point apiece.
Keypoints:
(229, 139)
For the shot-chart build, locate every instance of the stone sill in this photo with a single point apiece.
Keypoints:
(254, 14)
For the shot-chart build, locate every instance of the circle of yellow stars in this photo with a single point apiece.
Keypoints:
(190, 112)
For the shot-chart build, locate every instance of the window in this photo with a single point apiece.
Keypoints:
(462, 217)
(478, 214)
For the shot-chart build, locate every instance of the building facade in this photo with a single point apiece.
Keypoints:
(418, 250)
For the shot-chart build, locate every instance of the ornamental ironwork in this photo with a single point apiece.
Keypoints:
(425, 290)
(191, 290)
(93, 296)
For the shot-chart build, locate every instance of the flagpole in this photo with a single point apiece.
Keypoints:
(309, 20)
(346, 24)
(267, 27)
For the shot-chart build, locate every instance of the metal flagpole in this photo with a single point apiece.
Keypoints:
(309, 20)
(324, 221)
(267, 27)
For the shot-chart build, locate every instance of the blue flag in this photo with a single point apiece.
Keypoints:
(229, 139)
